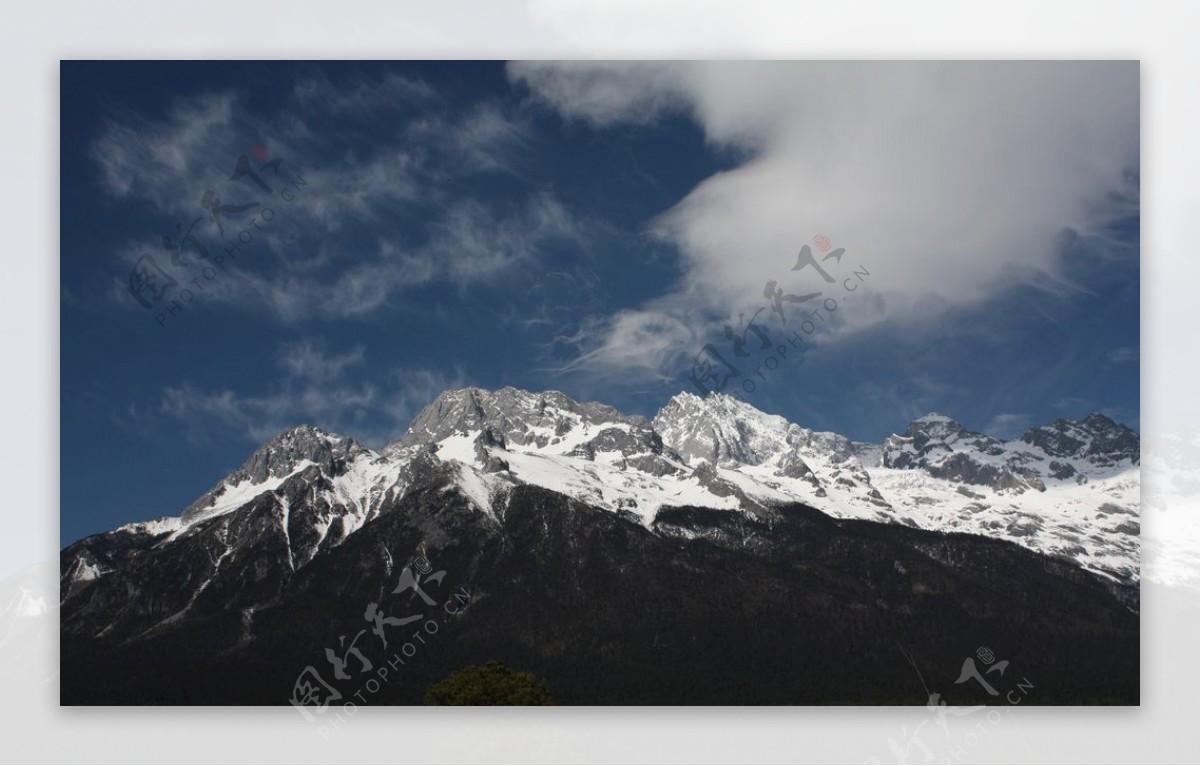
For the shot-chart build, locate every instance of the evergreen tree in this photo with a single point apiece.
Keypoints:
(488, 684)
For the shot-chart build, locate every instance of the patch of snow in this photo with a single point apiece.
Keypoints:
(30, 606)
(235, 496)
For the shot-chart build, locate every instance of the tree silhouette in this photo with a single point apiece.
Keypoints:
(488, 684)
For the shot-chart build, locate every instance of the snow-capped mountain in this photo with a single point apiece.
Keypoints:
(538, 491)
(28, 613)
(1070, 489)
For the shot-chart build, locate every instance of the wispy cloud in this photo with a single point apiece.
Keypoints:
(475, 241)
(630, 346)
(157, 160)
(306, 361)
(473, 245)
(315, 386)
(410, 185)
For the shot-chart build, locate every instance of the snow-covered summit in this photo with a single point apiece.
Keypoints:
(521, 417)
(283, 456)
(1069, 489)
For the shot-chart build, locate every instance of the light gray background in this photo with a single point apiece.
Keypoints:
(1162, 36)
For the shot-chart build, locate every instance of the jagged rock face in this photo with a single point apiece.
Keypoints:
(714, 430)
(1096, 439)
(640, 440)
(488, 438)
(930, 441)
(281, 457)
(521, 417)
(947, 450)
(725, 431)
(733, 435)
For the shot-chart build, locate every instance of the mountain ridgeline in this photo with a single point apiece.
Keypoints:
(713, 555)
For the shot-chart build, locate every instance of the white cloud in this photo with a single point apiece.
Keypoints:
(314, 388)
(486, 139)
(316, 263)
(305, 360)
(604, 93)
(950, 181)
(310, 261)
(471, 244)
(631, 346)
(152, 160)
(171, 162)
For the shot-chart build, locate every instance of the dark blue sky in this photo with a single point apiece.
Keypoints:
(447, 226)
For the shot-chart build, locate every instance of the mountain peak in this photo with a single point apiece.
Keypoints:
(723, 429)
(1096, 438)
(713, 403)
(302, 442)
(714, 451)
(934, 417)
(304, 431)
(285, 454)
(519, 416)
(1099, 420)
(935, 421)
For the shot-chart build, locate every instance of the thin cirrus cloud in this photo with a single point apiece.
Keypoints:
(152, 160)
(472, 244)
(952, 182)
(169, 161)
(638, 345)
(314, 386)
(403, 183)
